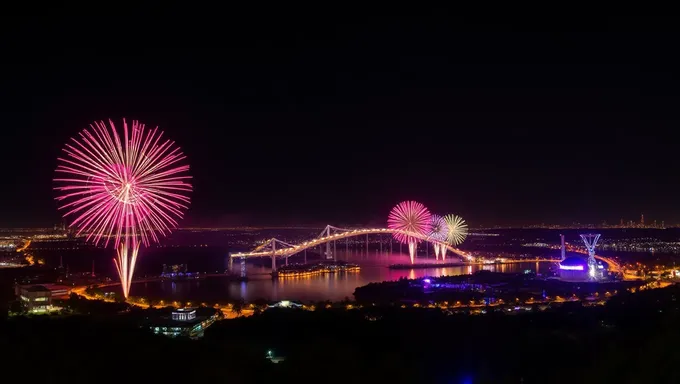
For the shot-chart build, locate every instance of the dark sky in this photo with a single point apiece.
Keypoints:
(334, 118)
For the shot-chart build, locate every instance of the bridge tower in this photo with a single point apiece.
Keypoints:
(327, 232)
(590, 240)
(274, 255)
(264, 249)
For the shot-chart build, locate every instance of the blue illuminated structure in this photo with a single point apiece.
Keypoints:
(574, 268)
(571, 267)
(179, 272)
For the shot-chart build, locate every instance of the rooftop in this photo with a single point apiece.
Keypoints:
(574, 261)
(37, 288)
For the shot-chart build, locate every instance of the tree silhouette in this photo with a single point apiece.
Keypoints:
(237, 307)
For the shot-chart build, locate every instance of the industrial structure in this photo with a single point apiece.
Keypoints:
(590, 240)
(579, 268)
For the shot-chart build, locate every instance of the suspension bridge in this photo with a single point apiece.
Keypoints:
(276, 248)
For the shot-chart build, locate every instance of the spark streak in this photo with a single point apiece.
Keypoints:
(440, 232)
(410, 216)
(458, 230)
(130, 189)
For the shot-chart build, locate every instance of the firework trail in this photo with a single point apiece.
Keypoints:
(439, 233)
(123, 190)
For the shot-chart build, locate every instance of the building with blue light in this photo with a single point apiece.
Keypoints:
(575, 268)
(179, 272)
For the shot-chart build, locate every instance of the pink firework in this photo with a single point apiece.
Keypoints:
(439, 233)
(122, 190)
(410, 218)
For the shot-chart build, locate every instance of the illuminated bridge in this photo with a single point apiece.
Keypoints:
(276, 248)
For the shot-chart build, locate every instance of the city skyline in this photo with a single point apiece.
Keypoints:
(624, 224)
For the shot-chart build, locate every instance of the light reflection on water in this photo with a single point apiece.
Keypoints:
(332, 287)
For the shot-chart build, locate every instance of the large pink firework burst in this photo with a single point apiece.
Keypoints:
(413, 217)
(122, 190)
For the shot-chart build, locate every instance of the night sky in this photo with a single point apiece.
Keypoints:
(292, 119)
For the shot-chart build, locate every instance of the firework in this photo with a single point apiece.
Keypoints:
(439, 233)
(122, 190)
(410, 216)
(458, 230)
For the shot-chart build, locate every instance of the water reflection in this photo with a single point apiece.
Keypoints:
(315, 288)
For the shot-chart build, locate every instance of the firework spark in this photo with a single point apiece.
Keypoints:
(413, 217)
(458, 230)
(439, 233)
(126, 190)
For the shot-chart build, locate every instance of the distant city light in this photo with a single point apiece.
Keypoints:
(427, 281)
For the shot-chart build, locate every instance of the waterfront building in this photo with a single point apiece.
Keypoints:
(179, 272)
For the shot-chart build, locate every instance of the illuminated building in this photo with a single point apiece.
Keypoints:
(575, 268)
(578, 268)
(35, 298)
(179, 272)
(58, 291)
(38, 298)
(185, 322)
(184, 314)
(286, 304)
